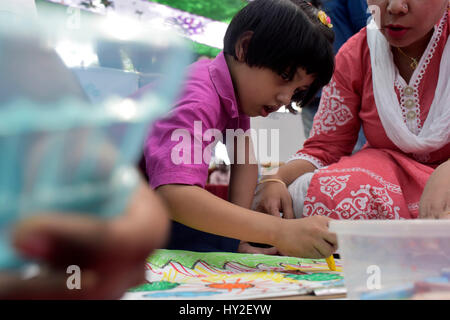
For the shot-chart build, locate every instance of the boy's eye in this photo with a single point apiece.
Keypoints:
(285, 76)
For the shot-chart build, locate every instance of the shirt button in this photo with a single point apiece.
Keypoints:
(410, 103)
(411, 115)
(408, 91)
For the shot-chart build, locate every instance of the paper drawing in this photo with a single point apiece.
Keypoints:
(176, 274)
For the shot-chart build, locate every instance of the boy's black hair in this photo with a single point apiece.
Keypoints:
(316, 3)
(287, 34)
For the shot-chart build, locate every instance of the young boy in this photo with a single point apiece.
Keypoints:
(275, 52)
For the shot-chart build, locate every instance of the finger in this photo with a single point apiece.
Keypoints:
(260, 207)
(274, 209)
(331, 238)
(324, 248)
(422, 209)
(59, 238)
(288, 210)
(255, 204)
(431, 213)
(257, 250)
(428, 210)
(315, 254)
(269, 251)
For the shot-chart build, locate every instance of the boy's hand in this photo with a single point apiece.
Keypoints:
(306, 238)
(111, 254)
(435, 199)
(273, 198)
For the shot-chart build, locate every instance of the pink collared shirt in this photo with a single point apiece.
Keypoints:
(178, 149)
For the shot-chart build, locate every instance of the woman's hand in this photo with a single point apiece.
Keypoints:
(110, 253)
(273, 198)
(435, 199)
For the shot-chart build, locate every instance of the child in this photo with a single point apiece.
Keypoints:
(275, 52)
(393, 78)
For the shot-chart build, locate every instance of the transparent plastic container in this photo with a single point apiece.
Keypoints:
(387, 255)
(70, 135)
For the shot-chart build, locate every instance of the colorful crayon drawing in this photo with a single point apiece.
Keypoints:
(176, 274)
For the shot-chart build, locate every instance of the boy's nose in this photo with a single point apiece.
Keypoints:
(397, 7)
(284, 98)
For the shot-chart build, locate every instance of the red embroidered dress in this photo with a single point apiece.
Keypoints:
(380, 181)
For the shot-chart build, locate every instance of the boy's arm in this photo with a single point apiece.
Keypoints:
(243, 177)
(241, 190)
(201, 210)
(242, 184)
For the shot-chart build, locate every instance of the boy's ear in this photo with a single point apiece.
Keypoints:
(242, 45)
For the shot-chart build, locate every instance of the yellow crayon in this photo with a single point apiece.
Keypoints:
(331, 264)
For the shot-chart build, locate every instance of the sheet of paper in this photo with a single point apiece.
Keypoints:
(186, 275)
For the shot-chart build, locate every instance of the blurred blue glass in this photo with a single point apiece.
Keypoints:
(70, 135)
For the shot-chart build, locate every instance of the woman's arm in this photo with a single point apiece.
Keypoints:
(291, 171)
(273, 197)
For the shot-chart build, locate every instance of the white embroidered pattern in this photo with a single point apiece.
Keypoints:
(367, 203)
(414, 125)
(388, 185)
(303, 156)
(332, 111)
(333, 185)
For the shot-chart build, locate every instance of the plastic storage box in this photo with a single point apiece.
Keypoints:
(391, 255)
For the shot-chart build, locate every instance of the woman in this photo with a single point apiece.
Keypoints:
(391, 78)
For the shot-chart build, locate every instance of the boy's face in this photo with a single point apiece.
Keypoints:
(261, 91)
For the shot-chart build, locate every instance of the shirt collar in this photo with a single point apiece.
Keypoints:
(221, 78)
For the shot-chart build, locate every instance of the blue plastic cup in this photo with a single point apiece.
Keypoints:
(70, 137)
